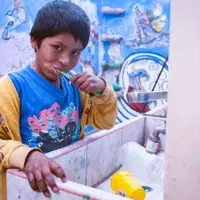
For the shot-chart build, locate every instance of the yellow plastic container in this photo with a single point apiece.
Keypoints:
(123, 183)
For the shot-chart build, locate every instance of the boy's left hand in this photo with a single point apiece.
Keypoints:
(88, 83)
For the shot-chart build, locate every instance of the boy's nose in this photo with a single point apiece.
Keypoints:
(64, 60)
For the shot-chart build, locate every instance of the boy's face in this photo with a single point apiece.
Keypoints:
(60, 52)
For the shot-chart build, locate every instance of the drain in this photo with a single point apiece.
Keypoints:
(147, 188)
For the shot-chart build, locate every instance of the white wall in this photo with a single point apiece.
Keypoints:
(182, 178)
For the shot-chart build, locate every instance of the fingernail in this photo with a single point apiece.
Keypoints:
(55, 189)
(64, 180)
(47, 194)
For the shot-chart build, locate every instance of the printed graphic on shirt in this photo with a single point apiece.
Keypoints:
(53, 128)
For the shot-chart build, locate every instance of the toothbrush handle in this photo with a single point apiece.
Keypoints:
(97, 94)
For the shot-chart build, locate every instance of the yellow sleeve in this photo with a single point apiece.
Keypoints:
(102, 112)
(12, 152)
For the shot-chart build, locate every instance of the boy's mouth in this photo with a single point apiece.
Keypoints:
(56, 71)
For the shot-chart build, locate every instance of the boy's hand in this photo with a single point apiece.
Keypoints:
(88, 83)
(40, 170)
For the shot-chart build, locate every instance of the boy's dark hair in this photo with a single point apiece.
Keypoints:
(61, 17)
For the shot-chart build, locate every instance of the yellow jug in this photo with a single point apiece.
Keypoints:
(123, 183)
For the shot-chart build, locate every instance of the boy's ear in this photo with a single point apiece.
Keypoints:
(33, 43)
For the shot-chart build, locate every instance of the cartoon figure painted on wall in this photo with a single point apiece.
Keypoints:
(113, 60)
(149, 27)
(14, 18)
(136, 81)
(140, 72)
(156, 18)
(89, 58)
(115, 54)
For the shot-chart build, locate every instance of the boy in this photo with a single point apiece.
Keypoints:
(41, 111)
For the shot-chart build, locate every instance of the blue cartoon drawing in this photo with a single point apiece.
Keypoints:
(14, 18)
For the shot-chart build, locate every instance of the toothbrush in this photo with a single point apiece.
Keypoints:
(69, 77)
(64, 74)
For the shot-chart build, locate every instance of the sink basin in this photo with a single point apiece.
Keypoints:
(150, 165)
(90, 163)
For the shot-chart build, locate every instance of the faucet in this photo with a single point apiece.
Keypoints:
(153, 140)
(146, 97)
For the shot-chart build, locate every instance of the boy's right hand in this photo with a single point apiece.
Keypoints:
(40, 170)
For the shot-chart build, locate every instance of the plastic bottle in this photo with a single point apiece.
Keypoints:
(145, 167)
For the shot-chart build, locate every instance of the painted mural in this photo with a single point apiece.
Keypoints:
(16, 19)
(134, 40)
(128, 44)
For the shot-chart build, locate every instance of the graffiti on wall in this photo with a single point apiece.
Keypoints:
(17, 18)
(128, 44)
(134, 39)
(14, 41)
(89, 58)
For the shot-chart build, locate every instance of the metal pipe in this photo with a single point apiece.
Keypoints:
(143, 97)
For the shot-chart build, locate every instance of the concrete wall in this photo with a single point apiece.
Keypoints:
(182, 178)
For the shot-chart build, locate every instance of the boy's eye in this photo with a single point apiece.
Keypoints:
(76, 53)
(57, 47)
